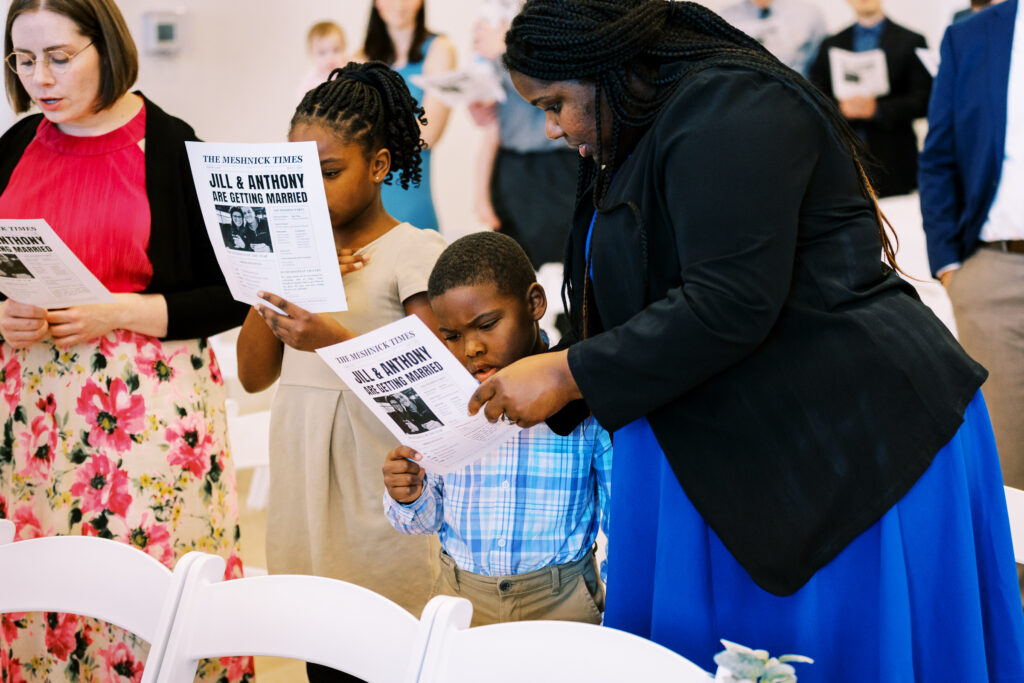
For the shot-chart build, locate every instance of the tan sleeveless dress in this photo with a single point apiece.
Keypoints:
(325, 515)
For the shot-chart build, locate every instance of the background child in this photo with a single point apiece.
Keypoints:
(324, 508)
(325, 45)
(508, 521)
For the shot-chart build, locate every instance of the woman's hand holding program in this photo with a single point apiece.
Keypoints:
(528, 391)
(142, 313)
(22, 325)
(298, 328)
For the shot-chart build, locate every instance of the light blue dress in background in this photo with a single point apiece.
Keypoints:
(415, 205)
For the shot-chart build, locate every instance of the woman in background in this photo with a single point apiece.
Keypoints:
(113, 420)
(397, 35)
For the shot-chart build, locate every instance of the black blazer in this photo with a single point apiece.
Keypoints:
(797, 387)
(185, 269)
(890, 135)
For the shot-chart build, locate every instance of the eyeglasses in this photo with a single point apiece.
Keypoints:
(58, 61)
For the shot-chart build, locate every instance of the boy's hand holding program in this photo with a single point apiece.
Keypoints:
(402, 477)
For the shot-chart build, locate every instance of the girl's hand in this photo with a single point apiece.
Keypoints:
(298, 328)
(348, 261)
(484, 113)
(403, 479)
(529, 391)
(22, 325)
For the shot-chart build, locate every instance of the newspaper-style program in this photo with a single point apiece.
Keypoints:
(414, 385)
(266, 214)
(37, 268)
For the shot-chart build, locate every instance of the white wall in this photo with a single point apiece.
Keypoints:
(235, 78)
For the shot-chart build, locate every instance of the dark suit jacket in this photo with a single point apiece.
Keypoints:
(890, 135)
(797, 387)
(962, 159)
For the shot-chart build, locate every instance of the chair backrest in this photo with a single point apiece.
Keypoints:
(308, 618)
(92, 577)
(1015, 508)
(6, 531)
(540, 651)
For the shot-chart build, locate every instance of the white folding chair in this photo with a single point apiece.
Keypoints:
(309, 618)
(92, 577)
(1015, 507)
(539, 651)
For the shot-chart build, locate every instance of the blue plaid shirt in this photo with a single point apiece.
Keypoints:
(534, 502)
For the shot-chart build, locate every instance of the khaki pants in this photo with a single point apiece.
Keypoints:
(566, 592)
(988, 304)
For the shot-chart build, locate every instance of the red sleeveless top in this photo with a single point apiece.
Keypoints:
(92, 192)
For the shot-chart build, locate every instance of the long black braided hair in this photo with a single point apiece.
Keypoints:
(370, 103)
(620, 46)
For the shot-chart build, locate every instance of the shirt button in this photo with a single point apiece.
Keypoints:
(501, 542)
(504, 586)
(505, 484)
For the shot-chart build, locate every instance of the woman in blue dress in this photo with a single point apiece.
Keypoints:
(804, 462)
(397, 35)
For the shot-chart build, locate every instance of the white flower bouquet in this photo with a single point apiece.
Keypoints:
(739, 664)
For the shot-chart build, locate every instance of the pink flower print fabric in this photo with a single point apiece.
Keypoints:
(122, 438)
(113, 415)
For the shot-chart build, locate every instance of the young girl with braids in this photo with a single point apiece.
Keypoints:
(803, 461)
(324, 515)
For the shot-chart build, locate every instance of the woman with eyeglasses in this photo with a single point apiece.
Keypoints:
(113, 415)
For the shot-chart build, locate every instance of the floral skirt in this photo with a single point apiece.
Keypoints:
(123, 438)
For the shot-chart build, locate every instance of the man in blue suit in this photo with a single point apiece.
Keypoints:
(972, 199)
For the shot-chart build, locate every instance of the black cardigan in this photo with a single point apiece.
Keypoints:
(185, 269)
(890, 135)
(797, 387)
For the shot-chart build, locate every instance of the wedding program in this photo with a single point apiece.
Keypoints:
(37, 268)
(266, 215)
(414, 385)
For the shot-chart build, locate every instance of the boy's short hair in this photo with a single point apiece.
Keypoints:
(482, 257)
(322, 29)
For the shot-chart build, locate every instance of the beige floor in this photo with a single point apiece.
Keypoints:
(254, 554)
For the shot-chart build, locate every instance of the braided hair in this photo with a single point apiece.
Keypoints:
(620, 46)
(370, 103)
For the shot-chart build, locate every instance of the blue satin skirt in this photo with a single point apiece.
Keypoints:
(929, 593)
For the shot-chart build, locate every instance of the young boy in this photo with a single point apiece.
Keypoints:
(517, 528)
